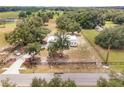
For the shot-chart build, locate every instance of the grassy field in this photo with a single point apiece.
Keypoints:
(110, 24)
(115, 55)
(8, 28)
(9, 14)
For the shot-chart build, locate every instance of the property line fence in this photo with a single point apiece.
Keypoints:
(94, 48)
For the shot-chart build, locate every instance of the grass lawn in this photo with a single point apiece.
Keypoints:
(115, 55)
(8, 28)
(9, 14)
(110, 24)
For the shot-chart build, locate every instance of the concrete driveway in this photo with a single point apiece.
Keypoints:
(14, 68)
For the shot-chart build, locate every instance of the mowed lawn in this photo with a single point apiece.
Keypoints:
(8, 28)
(9, 14)
(115, 55)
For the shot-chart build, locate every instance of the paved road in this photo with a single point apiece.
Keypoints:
(14, 68)
(81, 79)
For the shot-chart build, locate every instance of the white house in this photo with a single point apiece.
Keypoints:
(51, 39)
(99, 28)
(72, 38)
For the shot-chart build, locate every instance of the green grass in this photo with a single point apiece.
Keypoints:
(115, 55)
(9, 14)
(8, 28)
(110, 24)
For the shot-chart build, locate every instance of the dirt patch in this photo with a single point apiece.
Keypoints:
(70, 68)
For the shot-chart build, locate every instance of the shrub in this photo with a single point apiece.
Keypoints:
(38, 82)
(7, 83)
(54, 82)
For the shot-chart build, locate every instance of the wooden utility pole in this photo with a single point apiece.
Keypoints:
(108, 52)
(109, 47)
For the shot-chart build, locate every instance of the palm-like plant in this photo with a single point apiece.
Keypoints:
(62, 42)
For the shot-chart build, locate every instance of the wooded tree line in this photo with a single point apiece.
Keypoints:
(89, 18)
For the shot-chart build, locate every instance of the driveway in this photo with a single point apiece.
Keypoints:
(81, 79)
(14, 68)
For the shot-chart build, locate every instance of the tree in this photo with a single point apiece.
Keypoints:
(50, 14)
(33, 48)
(87, 18)
(52, 49)
(67, 24)
(119, 19)
(54, 82)
(34, 20)
(113, 37)
(91, 19)
(44, 16)
(28, 12)
(7, 83)
(62, 22)
(115, 80)
(22, 14)
(62, 42)
(29, 30)
(38, 82)
(69, 83)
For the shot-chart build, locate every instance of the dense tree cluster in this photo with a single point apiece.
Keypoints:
(45, 15)
(91, 19)
(113, 37)
(27, 31)
(119, 19)
(85, 18)
(54, 82)
(29, 34)
(24, 14)
(68, 25)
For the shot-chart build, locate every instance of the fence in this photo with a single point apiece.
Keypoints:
(94, 48)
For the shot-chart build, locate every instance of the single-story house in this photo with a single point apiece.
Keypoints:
(72, 38)
(99, 28)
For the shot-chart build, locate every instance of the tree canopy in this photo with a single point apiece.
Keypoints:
(115, 34)
(54, 82)
(68, 24)
(59, 45)
(27, 31)
(119, 19)
(88, 19)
